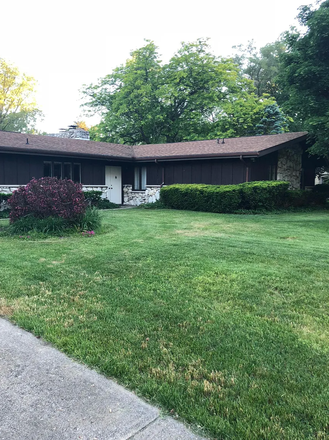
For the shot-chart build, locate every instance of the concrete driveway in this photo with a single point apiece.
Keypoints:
(45, 395)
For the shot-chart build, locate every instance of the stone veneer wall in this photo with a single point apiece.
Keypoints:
(9, 189)
(290, 166)
(150, 195)
(6, 189)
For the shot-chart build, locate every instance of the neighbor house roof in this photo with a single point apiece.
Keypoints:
(245, 146)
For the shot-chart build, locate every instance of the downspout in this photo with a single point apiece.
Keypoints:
(162, 173)
(247, 168)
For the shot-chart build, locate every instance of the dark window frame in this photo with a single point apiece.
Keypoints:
(73, 167)
(140, 179)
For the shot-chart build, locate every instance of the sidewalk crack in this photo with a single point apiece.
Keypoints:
(143, 428)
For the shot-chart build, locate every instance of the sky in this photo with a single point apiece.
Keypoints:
(66, 44)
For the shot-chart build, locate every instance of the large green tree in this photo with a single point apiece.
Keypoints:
(194, 96)
(261, 66)
(304, 76)
(18, 110)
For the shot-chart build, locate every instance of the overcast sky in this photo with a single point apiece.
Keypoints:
(65, 44)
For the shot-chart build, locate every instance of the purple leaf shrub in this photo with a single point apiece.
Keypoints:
(48, 197)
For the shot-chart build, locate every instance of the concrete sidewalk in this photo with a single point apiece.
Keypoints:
(45, 395)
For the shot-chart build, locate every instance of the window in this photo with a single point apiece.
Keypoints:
(61, 170)
(140, 178)
(77, 172)
(47, 169)
(272, 172)
(67, 172)
(58, 170)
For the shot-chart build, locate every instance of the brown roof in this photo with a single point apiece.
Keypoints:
(63, 146)
(245, 146)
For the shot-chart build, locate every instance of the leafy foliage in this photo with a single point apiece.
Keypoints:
(18, 110)
(225, 198)
(94, 198)
(48, 197)
(304, 76)
(195, 96)
(90, 220)
(262, 66)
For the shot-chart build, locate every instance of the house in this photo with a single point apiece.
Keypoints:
(134, 174)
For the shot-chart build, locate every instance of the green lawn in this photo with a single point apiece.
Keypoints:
(220, 319)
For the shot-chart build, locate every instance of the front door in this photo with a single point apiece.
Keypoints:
(113, 181)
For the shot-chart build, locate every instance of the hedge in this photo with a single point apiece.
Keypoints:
(94, 198)
(225, 198)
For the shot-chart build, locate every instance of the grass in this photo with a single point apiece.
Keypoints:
(220, 319)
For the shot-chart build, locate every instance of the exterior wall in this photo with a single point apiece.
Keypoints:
(9, 189)
(136, 198)
(290, 166)
(19, 169)
(213, 172)
(263, 168)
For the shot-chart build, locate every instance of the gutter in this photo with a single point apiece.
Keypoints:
(247, 155)
(35, 152)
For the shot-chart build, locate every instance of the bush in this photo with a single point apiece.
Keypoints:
(91, 220)
(158, 204)
(106, 204)
(4, 206)
(263, 195)
(303, 199)
(48, 197)
(4, 197)
(212, 198)
(225, 198)
(94, 198)
(321, 189)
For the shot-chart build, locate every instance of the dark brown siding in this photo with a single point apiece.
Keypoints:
(127, 174)
(154, 174)
(19, 169)
(214, 172)
(260, 168)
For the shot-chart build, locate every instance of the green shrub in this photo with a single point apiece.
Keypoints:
(93, 197)
(225, 198)
(3, 200)
(263, 195)
(212, 198)
(4, 197)
(106, 204)
(91, 220)
(5, 213)
(158, 204)
(29, 223)
(303, 199)
(321, 189)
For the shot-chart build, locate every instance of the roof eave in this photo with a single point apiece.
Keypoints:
(248, 154)
(286, 144)
(37, 152)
